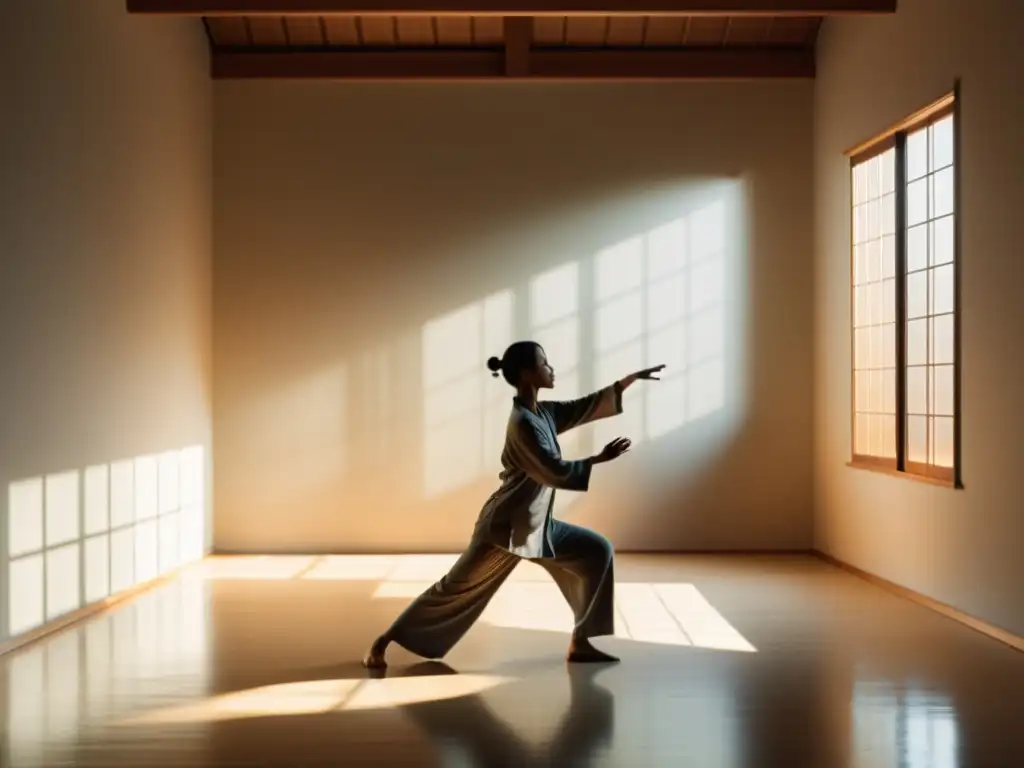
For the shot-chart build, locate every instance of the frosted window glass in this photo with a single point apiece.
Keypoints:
(62, 580)
(943, 241)
(942, 437)
(917, 438)
(97, 568)
(61, 508)
(146, 474)
(917, 248)
(917, 154)
(97, 500)
(942, 332)
(942, 143)
(25, 517)
(25, 594)
(122, 493)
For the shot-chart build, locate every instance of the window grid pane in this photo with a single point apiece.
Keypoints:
(874, 306)
(930, 295)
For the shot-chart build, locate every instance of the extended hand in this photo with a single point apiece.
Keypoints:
(614, 449)
(648, 373)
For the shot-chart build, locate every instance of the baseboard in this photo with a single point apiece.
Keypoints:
(1007, 638)
(68, 620)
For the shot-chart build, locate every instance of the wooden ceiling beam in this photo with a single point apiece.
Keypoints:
(518, 37)
(513, 7)
(542, 64)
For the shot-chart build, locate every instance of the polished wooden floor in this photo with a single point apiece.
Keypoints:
(727, 661)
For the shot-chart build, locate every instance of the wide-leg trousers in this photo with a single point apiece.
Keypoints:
(582, 568)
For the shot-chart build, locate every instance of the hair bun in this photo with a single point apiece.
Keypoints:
(494, 365)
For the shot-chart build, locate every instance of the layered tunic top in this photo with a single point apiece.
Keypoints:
(517, 516)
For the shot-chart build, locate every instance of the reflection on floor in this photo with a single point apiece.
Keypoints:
(726, 662)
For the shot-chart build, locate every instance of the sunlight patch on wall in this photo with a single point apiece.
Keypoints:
(80, 536)
(464, 413)
(659, 300)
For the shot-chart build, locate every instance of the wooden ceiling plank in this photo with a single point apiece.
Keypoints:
(749, 30)
(664, 31)
(268, 30)
(586, 31)
(454, 30)
(544, 64)
(549, 30)
(304, 30)
(791, 30)
(709, 31)
(626, 30)
(377, 30)
(487, 31)
(512, 7)
(228, 30)
(415, 31)
(341, 30)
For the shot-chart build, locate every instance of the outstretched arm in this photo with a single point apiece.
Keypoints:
(606, 402)
(646, 374)
(569, 414)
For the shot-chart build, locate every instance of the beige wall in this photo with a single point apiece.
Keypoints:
(105, 246)
(959, 547)
(349, 217)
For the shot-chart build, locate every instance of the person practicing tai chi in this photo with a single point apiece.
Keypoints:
(516, 522)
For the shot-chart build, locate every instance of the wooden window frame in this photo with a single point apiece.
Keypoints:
(896, 138)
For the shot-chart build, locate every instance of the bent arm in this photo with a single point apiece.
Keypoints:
(570, 414)
(534, 455)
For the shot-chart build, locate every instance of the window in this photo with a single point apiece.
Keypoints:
(904, 302)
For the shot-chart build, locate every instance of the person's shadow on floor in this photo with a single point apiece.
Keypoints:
(470, 727)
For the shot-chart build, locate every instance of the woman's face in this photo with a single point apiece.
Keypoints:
(543, 375)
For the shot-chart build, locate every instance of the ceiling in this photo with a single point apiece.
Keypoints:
(512, 39)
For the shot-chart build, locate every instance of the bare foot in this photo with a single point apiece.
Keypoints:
(582, 652)
(374, 658)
